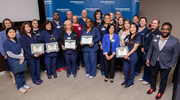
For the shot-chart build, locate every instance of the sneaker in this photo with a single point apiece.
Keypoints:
(141, 79)
(145, 83)
(128, 86)
(59, 70)
(41, 81)
(26, 87)
(75, 75)
(123, 84)
(63, 68)
(22, 90)
(67, 75)
(87, 75)
(90, 77)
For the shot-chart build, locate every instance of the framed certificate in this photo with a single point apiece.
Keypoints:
(121, 51)
(70, 44)
(37, 48)
(86, 39)
(52, 47)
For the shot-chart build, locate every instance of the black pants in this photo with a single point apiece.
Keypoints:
(109, 67)
(164, 75)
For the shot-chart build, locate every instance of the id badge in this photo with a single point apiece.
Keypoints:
(58, 26)
(112, 40)
(103, 29)
(69, 38)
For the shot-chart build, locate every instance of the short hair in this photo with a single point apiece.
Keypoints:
(157, 20)
(23, 31)
(96, 12)
(55, 12)
(111, 12)
(3, 23)
(77, 18)
(8, 29)
(136, 16)
(167, 23)
(92, 26)
(47, 22)
(108, 27)
(145, 19)
(34, 20)
(106, 15)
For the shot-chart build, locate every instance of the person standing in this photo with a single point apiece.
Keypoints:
(83, 19)
(162, 56)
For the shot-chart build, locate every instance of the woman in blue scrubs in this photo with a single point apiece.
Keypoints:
(33, 60)
(132, 41)
(14, 51)
(47, 36)
(109, 44)
(6, 24)
(90, 51)
(70, 54)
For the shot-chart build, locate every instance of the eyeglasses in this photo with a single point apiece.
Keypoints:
(165, 29)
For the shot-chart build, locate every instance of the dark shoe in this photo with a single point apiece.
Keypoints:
(150, 91)
(123, 84)
(128, 86)
(55, 76)
(78, 68)
(41, 81)
(111, 80)
(49, 77)
(136, 73)
(158, 96)
(105, 80)
(38, 83)
(75, 75)
(83, 65)
(67, 75)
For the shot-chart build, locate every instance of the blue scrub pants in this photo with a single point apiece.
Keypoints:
(147, 70)
(19, 77)
(35, 68)
(90, 59)
(71, 61)
(139, 63)
(50, 63)
(7, 66)
(61, 59)
(102, 63)
(129, 66)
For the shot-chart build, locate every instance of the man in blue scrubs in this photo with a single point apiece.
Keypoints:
(83, 19)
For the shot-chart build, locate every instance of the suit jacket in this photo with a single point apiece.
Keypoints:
(167, 56)
(76, 37)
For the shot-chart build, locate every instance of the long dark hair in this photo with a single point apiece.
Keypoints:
(131, 41)
(8, 29)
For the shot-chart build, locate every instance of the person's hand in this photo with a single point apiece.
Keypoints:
(80, 43)
(101, 47)
(20, 62)
(36, 55)
(126, 57)
(75, 48)
(107, 57)
(91, 44)
(40, 53)
(23, 58)
(47, 52)
(63, 47)
(5, 57)
(148, 63)
(111, 56)
(142, 50)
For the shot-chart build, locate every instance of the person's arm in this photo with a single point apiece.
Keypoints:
(134, 49)
(16, 56)
(103, 45)
(175, 54)
(77, 40)
(3, 53)
(149, 54)
(18, 35)
(25, 45)
(98, 36)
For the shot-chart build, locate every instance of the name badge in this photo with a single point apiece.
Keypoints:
(79, 28)
(69, 38)
(112, 40)
(126, 40)
(58, 26)
(103, 29)
(155, 40)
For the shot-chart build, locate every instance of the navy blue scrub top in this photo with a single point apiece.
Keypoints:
(14, 48)
(45, 37)
(142, 33)
(68, 37)
(58, 26)
(133, 56)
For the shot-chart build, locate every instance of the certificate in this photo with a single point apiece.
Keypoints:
(52, 47)
(37, 48)
(70, 44)
(121, 51)
(86, 39)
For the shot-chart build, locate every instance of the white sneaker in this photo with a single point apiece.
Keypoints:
(145, 83)
(87, 75)
(90, 77)
(140, 79)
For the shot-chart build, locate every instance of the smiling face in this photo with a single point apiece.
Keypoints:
(155, 24)
(68, 26)
(7, 24)
(133, 29)
(111, 16)
(143, 22)
(118, 14)
(11, 34)
(107, 19)
(88, 23)
(166, 30)
(111, 29)
(120, 21)
(27, 28)
(84, 13)
(35, 24)
(135, 19)
(98, 15)
(48, 26)
(126, 25)
(56, 16)
(74, 19)
(69, 15)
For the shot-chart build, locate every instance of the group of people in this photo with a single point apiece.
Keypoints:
(153, 49)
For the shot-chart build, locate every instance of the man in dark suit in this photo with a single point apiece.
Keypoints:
(162, 56)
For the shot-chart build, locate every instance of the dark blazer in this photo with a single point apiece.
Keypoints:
(167, 56)
(149, 37)
(76, 37)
